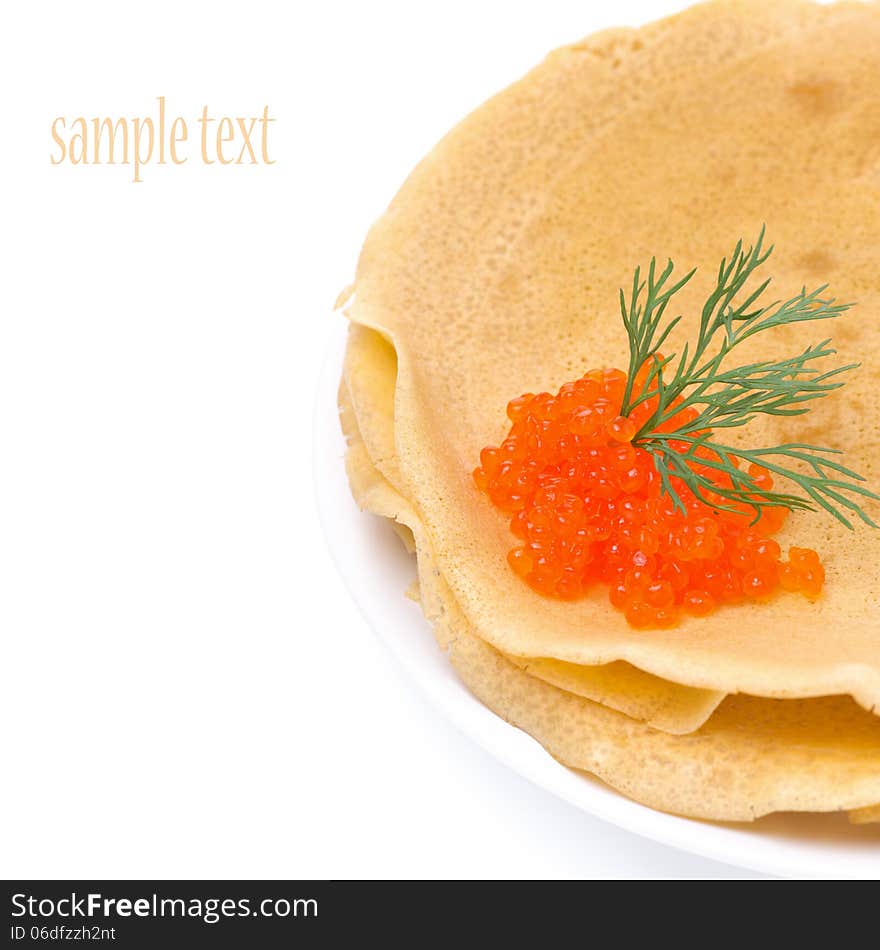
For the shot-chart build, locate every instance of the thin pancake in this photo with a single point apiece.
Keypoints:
(370, 374)
(754, 756)
(662, 704)
(495, 271)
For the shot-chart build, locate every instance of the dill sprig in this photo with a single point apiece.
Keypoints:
(726, 397)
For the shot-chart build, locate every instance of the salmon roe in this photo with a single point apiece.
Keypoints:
(586, 507)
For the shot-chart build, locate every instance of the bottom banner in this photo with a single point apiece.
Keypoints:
(268, 914)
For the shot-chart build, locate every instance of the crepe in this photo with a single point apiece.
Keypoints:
(495, 271)
(367, 398)
(752, 757)
(865, 816)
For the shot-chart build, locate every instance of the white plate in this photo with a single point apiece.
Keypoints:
(377, 570)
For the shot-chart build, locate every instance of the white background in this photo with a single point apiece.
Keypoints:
(187, 688)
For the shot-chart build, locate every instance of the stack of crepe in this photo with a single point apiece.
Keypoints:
(495, 272)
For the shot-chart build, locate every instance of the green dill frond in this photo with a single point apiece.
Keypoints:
(724, 397)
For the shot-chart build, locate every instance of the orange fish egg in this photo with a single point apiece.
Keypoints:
(587, 509)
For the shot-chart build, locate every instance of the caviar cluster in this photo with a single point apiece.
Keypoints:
(587, 508)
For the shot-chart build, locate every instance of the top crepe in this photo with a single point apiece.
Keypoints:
(495, 271)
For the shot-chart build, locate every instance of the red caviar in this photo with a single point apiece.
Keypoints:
(587, 508)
